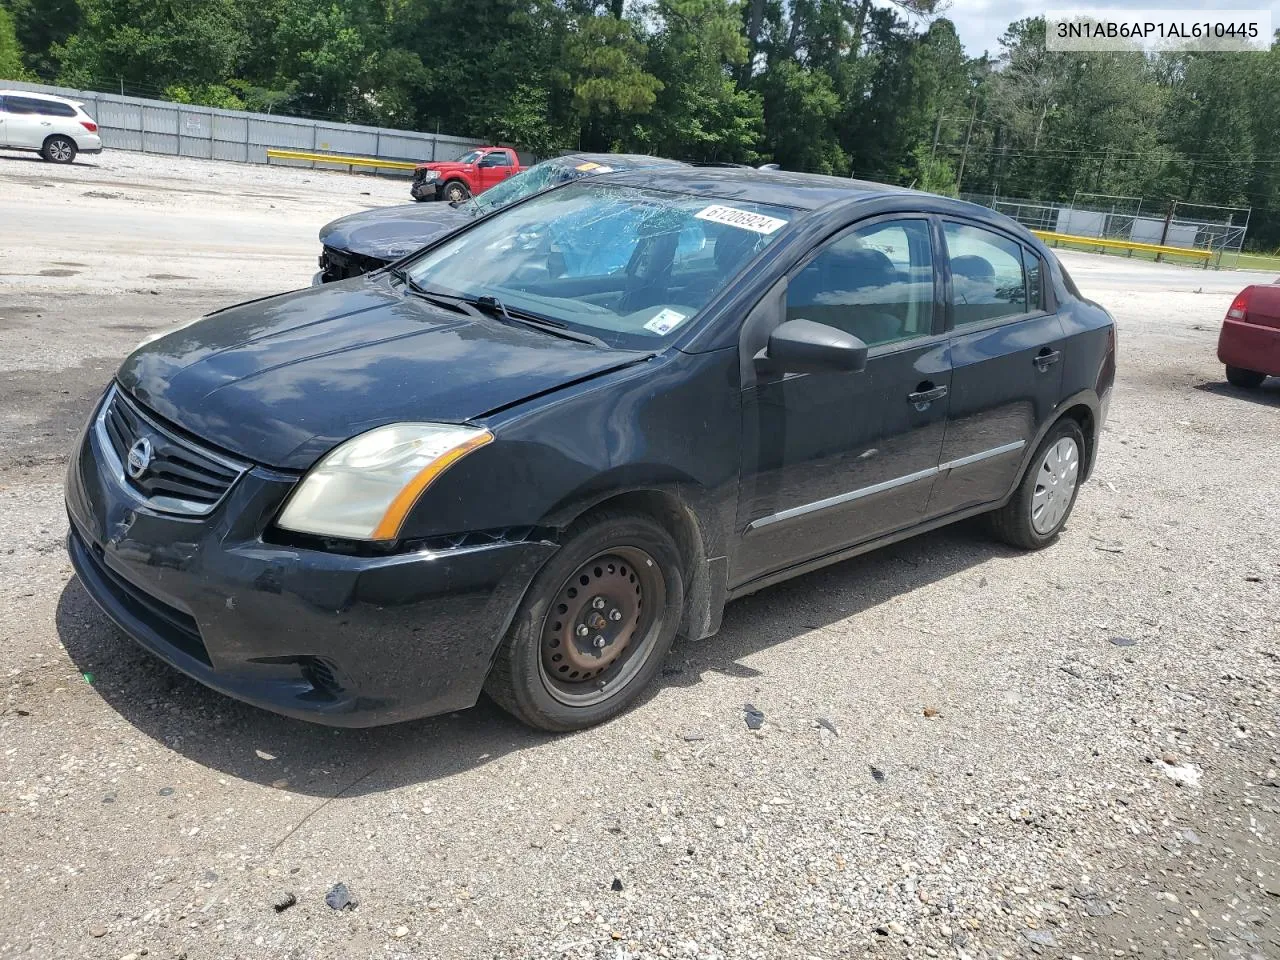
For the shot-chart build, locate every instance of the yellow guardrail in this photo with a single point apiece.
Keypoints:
(1130, 245)
(274, 154)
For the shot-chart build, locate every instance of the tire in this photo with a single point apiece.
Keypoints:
(1240, 377)
(624, 559)
(59, 149)
(1030, 521)
(455, 191)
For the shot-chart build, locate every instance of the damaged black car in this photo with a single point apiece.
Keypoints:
(369, 240)
(529, 458)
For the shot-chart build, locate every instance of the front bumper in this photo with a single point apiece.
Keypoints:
(1250, 346)
(338, 264)
(333, 638)
(425, 189)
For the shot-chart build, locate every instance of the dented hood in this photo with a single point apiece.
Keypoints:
(389, 233)
(281, 381)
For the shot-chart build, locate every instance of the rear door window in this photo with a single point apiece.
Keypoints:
(987, 278)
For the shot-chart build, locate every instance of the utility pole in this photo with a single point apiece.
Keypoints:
(964, 153)
(937, 132)
(1164, 234)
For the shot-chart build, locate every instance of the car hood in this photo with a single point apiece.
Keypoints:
(281, 381)
(390, 233)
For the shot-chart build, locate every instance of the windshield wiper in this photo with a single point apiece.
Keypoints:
(538, 322)
(457, 304)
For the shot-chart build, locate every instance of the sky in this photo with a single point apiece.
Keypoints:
(981, 22)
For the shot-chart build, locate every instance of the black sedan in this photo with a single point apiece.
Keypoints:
(371, 239)
(527, 459)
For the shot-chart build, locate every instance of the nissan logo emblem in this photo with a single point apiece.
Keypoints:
(139, 458)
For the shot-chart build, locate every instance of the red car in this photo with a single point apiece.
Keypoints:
(1249, 343)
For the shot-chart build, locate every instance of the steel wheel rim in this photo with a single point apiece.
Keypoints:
(617, 596)
(1056, 480)
(455, 194)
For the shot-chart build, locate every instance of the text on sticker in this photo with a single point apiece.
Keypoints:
(743, 219)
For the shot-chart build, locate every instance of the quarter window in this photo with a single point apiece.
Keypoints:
(987, 280)
(875, 283)
(1035, 292)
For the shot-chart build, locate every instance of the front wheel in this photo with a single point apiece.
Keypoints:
(594, 627)
(1039, 508)
(455, 191)
(59, 149)
(1240, 377)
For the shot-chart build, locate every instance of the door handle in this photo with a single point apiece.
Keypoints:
(1046, 358)
(925, 394)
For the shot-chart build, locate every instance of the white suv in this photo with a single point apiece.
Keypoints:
(55, 127)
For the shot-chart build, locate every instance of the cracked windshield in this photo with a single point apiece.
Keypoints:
(627, 265)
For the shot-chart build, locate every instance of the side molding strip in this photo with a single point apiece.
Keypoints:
(985, 454)
(841, 498)
(875, 488)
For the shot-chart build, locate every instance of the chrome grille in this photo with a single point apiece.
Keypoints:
(179, 476)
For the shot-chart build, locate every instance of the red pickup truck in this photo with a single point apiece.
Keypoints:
(473, 172)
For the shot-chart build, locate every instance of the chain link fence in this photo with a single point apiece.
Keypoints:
(187, 130)
(1218, 229)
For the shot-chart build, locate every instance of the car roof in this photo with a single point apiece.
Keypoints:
(618, 161)
(803, 191)
(41, 96)
(799, 191)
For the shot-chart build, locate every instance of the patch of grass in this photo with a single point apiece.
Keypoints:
(1229, 261)
(1252, 261)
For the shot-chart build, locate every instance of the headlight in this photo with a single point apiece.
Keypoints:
(152, 337)
(364, 488)
(430, 174)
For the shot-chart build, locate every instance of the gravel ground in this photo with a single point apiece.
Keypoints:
(967, 752)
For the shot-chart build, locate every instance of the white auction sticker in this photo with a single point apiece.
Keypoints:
(743, 219)
(665, 321)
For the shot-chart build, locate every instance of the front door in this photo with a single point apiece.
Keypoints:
(24, 125)
(835, 459)
(1006, 351)
(495, 166)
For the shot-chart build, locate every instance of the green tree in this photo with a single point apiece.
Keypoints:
(150, 44)
(40, 25)
(701, 113)
(11, 62)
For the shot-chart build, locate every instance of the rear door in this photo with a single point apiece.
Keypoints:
(1007, 347)
(835, 459)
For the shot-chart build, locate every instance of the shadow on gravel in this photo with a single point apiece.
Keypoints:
(225, 735)
(1268, 394)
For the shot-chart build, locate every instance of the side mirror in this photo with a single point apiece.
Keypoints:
(802, 346)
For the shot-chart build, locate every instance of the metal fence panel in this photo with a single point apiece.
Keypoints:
(159, 142)
(159, 119)
(158, 126)
(230, 127)
(331, 138)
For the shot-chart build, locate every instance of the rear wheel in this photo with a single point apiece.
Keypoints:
(1040, 506)
(594, 627)
(1241, 377)
(59, 149)
(455, 191)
